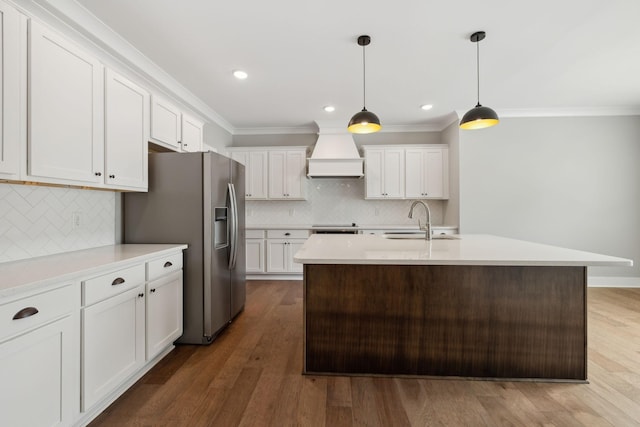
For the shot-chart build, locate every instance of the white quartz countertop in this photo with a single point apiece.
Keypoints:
(358, 227)
(31, 274)
(467, 250)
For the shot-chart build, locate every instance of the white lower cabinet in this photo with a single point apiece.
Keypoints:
(255, 255)
(282, 245)
(39, 359)
(164, 313)
(113, 344)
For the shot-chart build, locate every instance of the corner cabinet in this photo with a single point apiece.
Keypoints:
(173, 129)
(10, 94)
(407, 172)
(273, 173)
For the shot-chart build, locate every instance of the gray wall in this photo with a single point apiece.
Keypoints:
(571, 182)
(216, 137)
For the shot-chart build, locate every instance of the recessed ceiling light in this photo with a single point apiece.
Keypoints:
(426, 107)
(240, 75)
(329, 108)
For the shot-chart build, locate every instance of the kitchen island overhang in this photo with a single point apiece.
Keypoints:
(480, 306)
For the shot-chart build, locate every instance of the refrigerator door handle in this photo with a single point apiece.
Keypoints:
(233, 237)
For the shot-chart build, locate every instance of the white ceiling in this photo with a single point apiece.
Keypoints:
(540, 57)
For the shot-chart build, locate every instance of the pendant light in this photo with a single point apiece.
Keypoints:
(364, 121)
(478, 117)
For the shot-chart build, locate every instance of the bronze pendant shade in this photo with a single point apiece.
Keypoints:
(364, 121)
(478, 117)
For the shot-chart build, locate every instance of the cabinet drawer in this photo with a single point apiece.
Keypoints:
(107, 285)
(37, 310)
(165, 265)
(254, 234)
(287, 234)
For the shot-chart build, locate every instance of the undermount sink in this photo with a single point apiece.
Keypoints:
(416, 234)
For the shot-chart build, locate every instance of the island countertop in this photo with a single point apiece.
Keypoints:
(468, 249)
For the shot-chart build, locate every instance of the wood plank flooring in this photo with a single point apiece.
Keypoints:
(250, 376)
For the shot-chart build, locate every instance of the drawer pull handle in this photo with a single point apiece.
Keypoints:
(118, 281)
(287, 234)
(25, 312)
(168, 264)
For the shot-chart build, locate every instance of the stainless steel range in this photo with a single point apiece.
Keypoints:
(335, 228)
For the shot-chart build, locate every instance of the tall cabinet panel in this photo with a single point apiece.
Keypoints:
(66, 133)
(9, 92)
(126, 132)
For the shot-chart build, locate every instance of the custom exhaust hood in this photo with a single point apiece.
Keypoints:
(335, 155)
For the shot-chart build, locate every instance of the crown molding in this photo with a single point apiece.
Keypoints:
(564, 112)
(79, 19)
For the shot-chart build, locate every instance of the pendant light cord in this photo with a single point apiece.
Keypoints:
(478, 69)
(364, 80)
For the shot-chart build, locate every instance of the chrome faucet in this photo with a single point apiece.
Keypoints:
(427, 227)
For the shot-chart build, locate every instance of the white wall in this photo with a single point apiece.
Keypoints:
(571, 182)
(451, 137)
(36, 221)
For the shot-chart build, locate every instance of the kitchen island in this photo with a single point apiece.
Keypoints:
(477, 306)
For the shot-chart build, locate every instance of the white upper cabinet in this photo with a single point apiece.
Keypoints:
(9, 92)
(66, 133)
(407, 172)
(384, 173)
(255, 167)
(192, 134)
(286, 174)
(126, 133)
(166, 123)
(273, 173)
(427, 172)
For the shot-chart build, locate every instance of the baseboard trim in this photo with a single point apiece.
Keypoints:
(613, 282)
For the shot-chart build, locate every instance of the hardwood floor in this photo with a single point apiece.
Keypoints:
(250, 376)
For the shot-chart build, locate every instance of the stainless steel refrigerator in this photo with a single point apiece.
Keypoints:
(198, 199)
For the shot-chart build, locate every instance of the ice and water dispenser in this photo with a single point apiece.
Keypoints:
(220, 230)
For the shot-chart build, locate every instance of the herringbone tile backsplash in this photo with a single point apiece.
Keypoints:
(36, 221)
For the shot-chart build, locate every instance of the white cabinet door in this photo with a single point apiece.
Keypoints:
(192, 134)
(38, 372)
(255, 255)
(166, 123)
(66, 136)
(384, 177)
(374, 168)
(126, 133)
(113, 343)
(255, 168)
(286, 174)
(277, 256)
(164, 312)
(277, 178)
(294, 174)
(427, 173)
(9, 92)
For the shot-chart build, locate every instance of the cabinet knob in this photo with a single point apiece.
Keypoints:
(140, 295)
(153, 290)
(98, 174)
(287, 234)
(112, 176)
(25, 312)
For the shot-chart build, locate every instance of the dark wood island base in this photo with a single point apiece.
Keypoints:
(511, 322)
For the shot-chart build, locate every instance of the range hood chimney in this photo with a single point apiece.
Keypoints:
(335, 154)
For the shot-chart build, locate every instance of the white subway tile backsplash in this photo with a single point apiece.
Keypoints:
(337, 201)
(36, 221)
